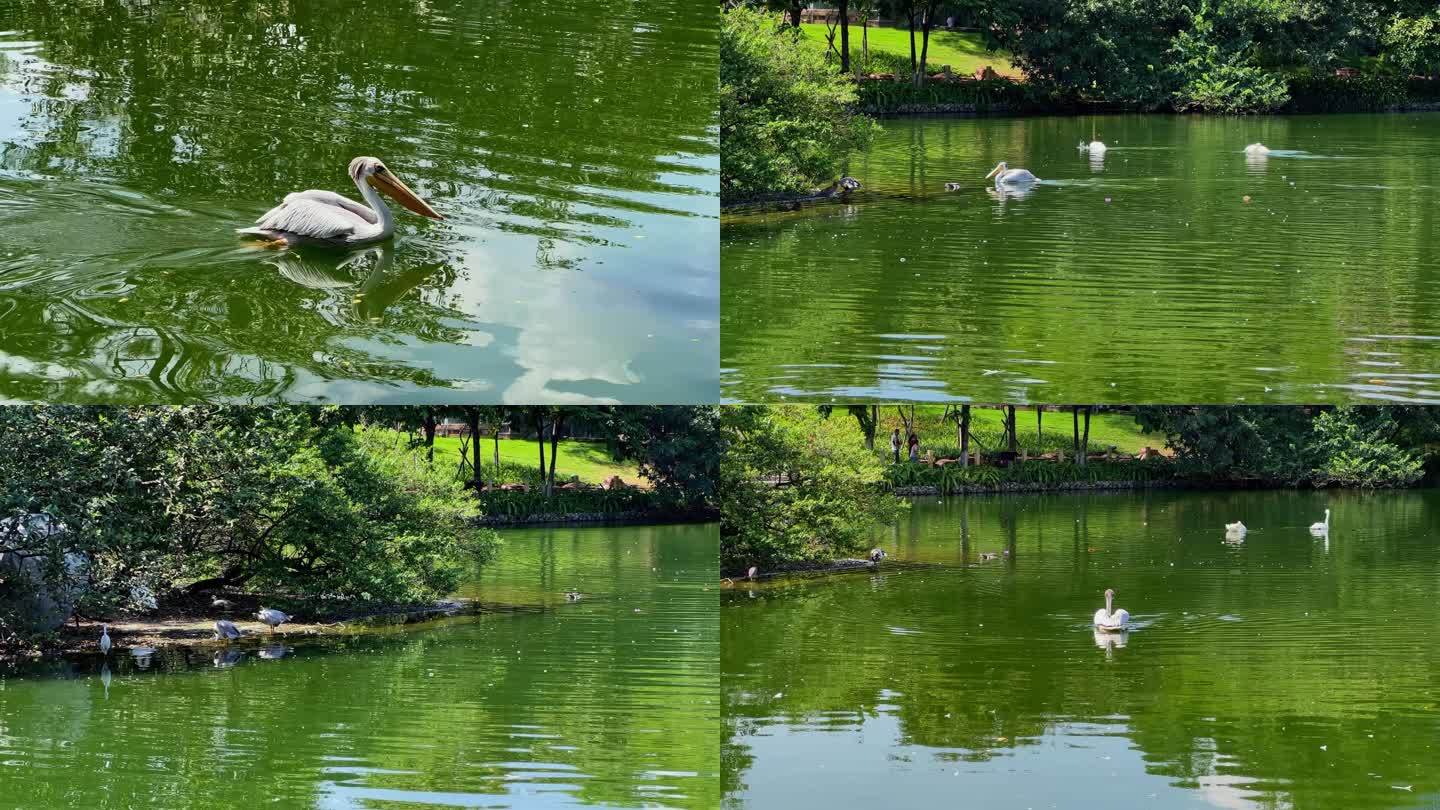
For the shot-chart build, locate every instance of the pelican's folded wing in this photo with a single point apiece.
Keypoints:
(317, 214)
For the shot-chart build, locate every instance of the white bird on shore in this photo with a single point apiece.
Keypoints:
(271, 617)
(1109, 618)
(1257, 149)
(1323, 526)
(104, 639)
(226, 630)
(1006, 176)
(750, 574)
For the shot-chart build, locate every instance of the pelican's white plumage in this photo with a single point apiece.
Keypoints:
(1109, 618)
(1093, 146)
(1006, 176)
(1257, 149)
(1235, 528)
(327, 218)
(272, 617)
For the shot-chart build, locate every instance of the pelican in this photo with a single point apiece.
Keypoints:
(1235, 528)
(1257, 149)
(226, 631)
(1323, 526)
(272, 617)
(104, 639)
(1109, 619)
(327, 218)
(1093, 146)
(1004, 175)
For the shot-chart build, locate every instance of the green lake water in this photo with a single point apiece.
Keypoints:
(1287, 671)
(574, 155)
(1324, 288)
(610, 701)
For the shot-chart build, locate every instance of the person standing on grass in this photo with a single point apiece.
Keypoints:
(895, 444)
(914, 447)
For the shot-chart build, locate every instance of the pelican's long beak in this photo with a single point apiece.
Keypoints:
(392, 185)
(995, 171)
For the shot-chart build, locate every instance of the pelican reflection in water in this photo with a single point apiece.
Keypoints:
(325, 218)
(379, 285)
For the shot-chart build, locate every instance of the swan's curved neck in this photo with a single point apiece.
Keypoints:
(386, 225)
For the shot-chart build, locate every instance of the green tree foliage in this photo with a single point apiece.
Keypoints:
(786, 117)
(795, 487)
(1412, 43)
(678, 448)
(1221, 56)
(283, 499)
(1362, 446)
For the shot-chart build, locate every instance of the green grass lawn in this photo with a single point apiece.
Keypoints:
(963, 51)
(1118, 429)
(588, 460)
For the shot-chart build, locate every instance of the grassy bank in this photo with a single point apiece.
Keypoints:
(1054, 431)
(963, 51)
(1306, 94)
(588, 461)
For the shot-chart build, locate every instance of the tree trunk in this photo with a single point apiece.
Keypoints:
(844, 8)
(1039, 424)
(429, 424)
(540, 440)
(964, 435)
(924, 44)
(865, 41)
(1012, 441)
(554, 450)
(497, 448)
(795, 13)
(911, 20)
(1085, 442)
(472, 420)
(1075, 434)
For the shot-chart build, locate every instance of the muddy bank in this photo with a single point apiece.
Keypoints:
(783, 199)
(736, 579)
(1015, 486)
(185, 626)
(628, 518)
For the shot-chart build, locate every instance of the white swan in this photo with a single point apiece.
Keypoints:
(1004, 175)
(104, 639)
(1257, 149)
(1235, 528)
(1093, 146)
(1109, 619)
(1323, 526)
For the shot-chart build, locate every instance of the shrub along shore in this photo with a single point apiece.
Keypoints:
(791, 108)
(804, 487)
